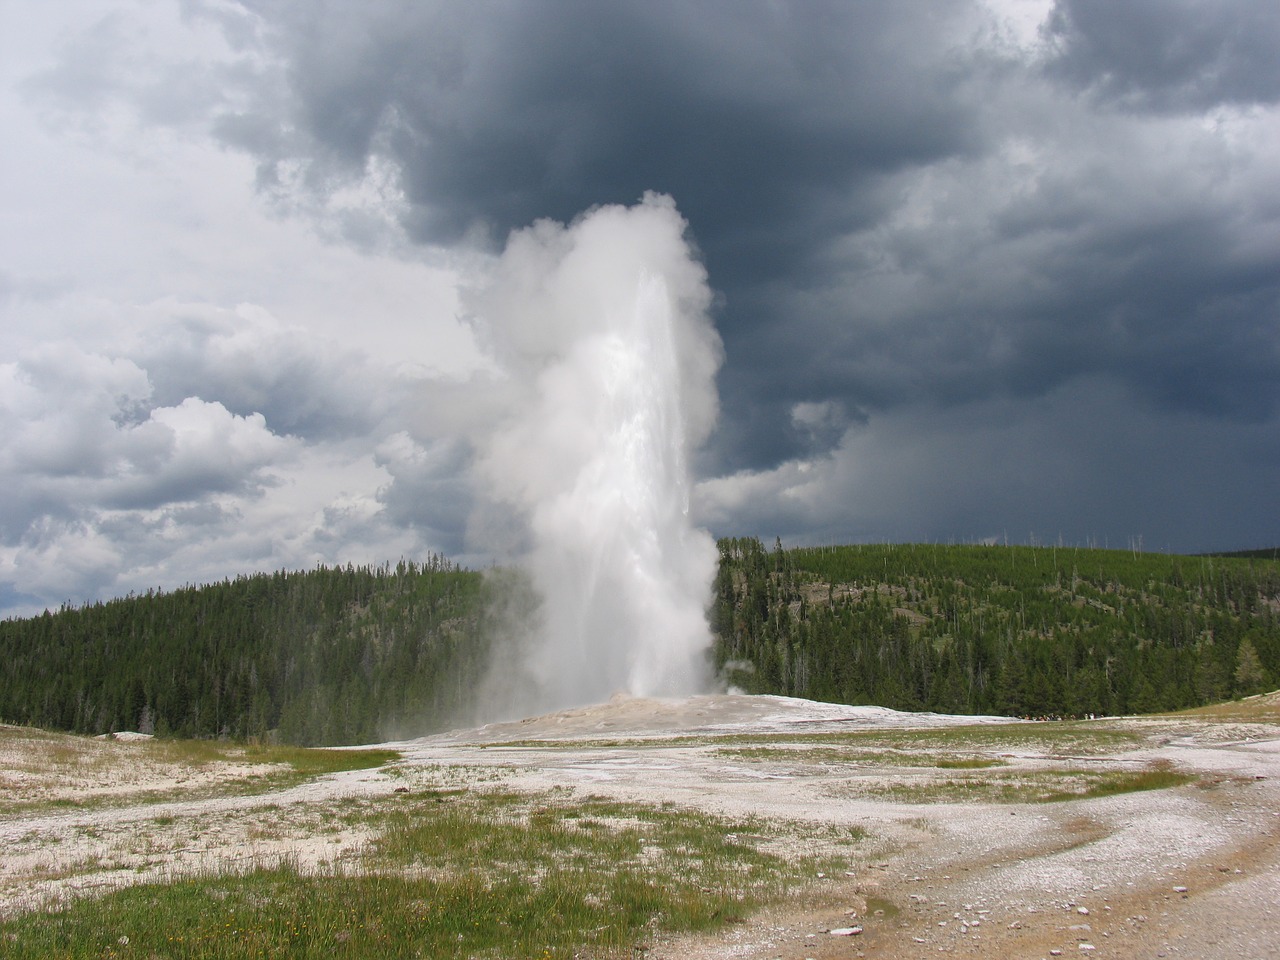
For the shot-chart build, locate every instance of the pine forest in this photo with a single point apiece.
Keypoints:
(363, 654)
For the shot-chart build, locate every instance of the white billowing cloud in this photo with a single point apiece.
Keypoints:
(223, 496)
(306, 386)
(209, 449)
(82, 447)
(201, 440)
(60, 407)
(195, 383)
(602, 332)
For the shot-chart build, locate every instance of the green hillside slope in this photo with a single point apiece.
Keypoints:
(1014, 630)
(360, 654)
(326, 656)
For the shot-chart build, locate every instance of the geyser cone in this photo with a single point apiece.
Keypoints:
(602, 329)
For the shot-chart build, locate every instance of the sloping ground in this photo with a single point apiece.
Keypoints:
(979, 839)
(637, 717)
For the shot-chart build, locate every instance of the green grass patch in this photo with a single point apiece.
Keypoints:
(301, 762)
(458, 875)
(310, 762)
(1026, 786)
(1061, 737)
(282, 914)
(1125, 781)
(856, 757)
(968, 763)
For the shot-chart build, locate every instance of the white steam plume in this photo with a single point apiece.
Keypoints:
(602, 331)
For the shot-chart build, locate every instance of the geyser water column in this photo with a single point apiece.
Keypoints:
(602, 335)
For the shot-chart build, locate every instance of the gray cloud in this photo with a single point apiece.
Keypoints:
(82, 432)
(793, 136)
(899, 206)
(120, 57)
(302, 386)
(429, 490)
(1063, 468)
(968, 280)
(149, 461)
(1168, 54)
(773, 123)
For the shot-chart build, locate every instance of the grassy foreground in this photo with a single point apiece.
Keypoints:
(482, 871)
(453, 874)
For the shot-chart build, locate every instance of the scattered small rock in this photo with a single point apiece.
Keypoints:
(845, 931)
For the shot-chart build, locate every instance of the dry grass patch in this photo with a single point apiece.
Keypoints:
(1263, 708)
(39, 769)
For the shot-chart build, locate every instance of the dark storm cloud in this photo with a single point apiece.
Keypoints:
(776, 127)
(771, 123)
(428, 492)
(1169, 54)
(903, 208)
(1062, 468)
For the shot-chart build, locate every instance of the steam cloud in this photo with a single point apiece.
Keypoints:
(608, 356)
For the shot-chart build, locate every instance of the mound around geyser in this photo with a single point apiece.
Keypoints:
(626, 716)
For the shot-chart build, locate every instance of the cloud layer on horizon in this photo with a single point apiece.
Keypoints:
(987, 269)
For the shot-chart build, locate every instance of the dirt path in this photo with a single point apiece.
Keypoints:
(1190, 871)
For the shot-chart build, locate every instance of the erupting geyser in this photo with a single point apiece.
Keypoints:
(602, 334)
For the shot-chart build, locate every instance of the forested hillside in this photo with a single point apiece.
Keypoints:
(1011, 630)
(326, 656)
(359, 654)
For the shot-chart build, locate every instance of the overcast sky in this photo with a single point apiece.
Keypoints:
(1000, 269)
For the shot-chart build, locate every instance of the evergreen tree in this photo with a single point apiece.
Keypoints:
(1250, 676)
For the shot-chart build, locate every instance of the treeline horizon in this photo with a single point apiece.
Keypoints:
(344, 655)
